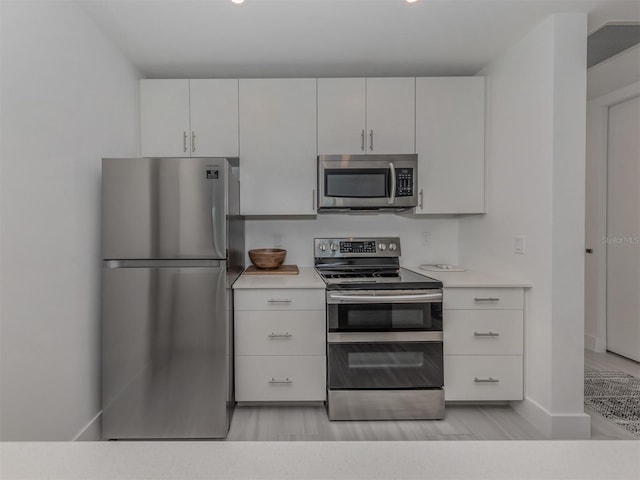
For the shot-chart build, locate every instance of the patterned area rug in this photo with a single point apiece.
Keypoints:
(615, 396)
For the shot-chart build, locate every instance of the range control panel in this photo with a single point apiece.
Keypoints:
(356, 247)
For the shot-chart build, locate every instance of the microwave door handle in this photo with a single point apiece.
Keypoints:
(392, 197)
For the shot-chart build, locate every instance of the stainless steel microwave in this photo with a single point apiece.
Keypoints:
(367, 182)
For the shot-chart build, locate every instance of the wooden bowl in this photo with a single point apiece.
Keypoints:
(267, 258)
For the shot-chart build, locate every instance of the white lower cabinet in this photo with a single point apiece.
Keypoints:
(280, 333)
(280, 378)
(483, 332)
(483, 344)
(280, 345)
(483, 377)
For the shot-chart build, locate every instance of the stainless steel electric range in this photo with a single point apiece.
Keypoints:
(384, 332)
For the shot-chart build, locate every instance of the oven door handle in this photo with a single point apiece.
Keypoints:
(386, 298)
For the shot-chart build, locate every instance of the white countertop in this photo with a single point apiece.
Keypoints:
(470, 279)
(307, 278)
(586, 459)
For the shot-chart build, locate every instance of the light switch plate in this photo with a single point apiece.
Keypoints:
(519, 244)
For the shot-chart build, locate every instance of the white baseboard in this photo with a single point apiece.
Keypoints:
(594, 343)
(590, 342)
(91, 431)
(565, 426)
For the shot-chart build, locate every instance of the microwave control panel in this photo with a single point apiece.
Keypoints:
(404, 182)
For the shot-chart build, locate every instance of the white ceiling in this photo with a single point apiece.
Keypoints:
(309, 38)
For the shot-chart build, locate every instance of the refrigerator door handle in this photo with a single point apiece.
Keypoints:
(216, 232)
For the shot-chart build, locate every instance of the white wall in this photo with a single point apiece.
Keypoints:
(535, 182)
(296, 235)
(68, 99)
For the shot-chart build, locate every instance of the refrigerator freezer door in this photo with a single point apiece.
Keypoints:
(164, 208)
(166, 352)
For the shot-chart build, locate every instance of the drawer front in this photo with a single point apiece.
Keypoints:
(485, 332)
(279, 299)
(280, 333)
(473, 377)
(483, 298)
(280, 378)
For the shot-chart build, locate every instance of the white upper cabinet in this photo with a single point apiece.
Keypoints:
(391, 104)
(278, 146)
(341, 115)
(450, 143)
(189, 118)
(164, 118)
(366, 115)
(214, 117)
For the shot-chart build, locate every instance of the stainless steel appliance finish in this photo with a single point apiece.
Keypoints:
(384, 332)
(367, 182)
(357, 263)
(377, 404)
(381, 296)
(173, 244)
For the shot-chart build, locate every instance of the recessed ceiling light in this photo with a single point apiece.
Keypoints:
(411, 2)
(237, 2)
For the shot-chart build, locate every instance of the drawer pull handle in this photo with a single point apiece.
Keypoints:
(486, 299)
(286, 380)
(278, 300)
(487, 334)
(485, 380)
(279, 335)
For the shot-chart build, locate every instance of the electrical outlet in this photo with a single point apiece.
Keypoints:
(425, 238)
(277, 240)
(519, 244)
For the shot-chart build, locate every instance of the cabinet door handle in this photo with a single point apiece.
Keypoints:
(313, 199)
(486, 299)
(421, 205)
(371, 140)
(193, 141)
(485, 380)
(286, 380)
(279, 300)
(184, 141)
(362, 138)
(279, 335)
(487, 334)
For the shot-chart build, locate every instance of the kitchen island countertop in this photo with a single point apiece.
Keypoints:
(321, 460)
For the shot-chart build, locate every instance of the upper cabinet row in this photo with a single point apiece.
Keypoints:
(285, 123)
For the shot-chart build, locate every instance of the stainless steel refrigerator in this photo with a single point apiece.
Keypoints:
(173, 244)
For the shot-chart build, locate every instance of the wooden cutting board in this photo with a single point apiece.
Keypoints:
(281, 270)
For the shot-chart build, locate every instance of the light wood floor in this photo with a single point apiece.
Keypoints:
(311, 423)
(462, 422)
(608, 361)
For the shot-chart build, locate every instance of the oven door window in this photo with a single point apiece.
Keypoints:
(385, 317)
(390, 365)
(356, 182)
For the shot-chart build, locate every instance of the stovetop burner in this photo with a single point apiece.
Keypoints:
(356, 263)
(360, 274)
